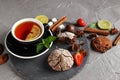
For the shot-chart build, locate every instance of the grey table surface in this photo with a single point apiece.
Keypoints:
(99, 66)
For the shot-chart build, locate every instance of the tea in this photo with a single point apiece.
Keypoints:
(27, 30)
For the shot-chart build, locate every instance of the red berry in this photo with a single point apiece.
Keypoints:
(78, 58)
(81, 22)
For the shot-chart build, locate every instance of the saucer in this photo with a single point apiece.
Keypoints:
(24, 51)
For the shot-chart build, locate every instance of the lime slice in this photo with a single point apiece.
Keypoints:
(104, 24)
(42, 18)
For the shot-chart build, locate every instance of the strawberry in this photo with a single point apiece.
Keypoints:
(78, 58)
(81, 22)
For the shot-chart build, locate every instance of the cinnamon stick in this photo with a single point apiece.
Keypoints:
(117, 40)
(58, 23)
(101, 32)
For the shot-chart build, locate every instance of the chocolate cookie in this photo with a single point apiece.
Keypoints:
(101, 44)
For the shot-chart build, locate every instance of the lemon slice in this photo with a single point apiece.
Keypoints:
(42, 18)
(34, 33)
(104, 24)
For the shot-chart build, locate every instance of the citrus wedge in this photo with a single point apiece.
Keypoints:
(104, 24)
(34, 33)
(42, 18)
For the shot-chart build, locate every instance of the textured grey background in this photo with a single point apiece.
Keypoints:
(99, 66)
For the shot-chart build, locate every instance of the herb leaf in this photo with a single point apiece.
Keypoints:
(93, 25)
(45, 43)
(39, 47)
(50, 39)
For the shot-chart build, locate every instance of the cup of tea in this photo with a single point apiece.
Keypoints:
(27, 30)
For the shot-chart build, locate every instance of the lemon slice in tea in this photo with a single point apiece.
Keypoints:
(42, 18)
(104, 24)
(34, 33)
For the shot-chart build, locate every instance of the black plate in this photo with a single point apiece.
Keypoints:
(38, 68)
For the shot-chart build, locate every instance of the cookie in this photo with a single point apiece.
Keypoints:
(60, 60)
(101, 44)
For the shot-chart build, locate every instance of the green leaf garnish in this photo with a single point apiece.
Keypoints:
(50, 39)
(39, 47)
(93, 25)
(45, 43)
